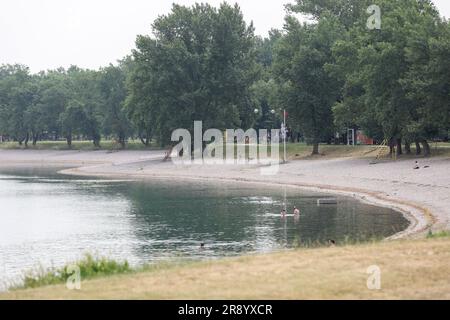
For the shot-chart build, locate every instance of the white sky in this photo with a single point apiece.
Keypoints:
(47, 34)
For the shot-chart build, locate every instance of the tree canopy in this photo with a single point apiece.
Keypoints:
(205, 63)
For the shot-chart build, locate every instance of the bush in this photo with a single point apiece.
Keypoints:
(90, 267)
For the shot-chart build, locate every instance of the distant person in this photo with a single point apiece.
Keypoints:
(332, 243)
(202, 246)
(296, 211)
(416, 166)
(283, 213)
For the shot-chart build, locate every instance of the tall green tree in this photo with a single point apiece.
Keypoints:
(17, 95)
(112, 85)
(265, 90)
(308, 90)
(346, 11)
(72, 120)
(428, 81)
(52, 98)
(199, 65)
(85, 93)
(374, 65)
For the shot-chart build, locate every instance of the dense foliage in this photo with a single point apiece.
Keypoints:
(204, 63)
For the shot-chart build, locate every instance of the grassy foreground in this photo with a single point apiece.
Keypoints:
(410, 269)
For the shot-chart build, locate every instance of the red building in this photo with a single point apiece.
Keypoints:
(362, 139)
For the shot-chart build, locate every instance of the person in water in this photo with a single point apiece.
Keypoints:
(296, 211)
(283, 213)
(202, 246)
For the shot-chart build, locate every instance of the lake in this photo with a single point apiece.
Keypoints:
(48, 219)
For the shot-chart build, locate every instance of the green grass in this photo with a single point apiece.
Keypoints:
(78, 145)
(294, 150)
(437, 235)
(411, 269)
(92, 267)
(89, 267)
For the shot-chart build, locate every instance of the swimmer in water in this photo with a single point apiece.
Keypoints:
(283, 213)
(296, 211)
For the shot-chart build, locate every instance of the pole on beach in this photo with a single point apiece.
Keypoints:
(284, 135)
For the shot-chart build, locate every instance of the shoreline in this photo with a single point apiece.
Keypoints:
(337, 273)
(351, 177)
(416, 216)
(412, 252)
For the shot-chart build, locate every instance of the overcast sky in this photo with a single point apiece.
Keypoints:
(46, 34)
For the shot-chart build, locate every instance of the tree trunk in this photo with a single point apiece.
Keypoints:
(69, 140)
(426, 147)
(26, 140)
(407, 147)
(418, 148)
(315, 148)
(399, 147)
(122, 142)
(96, 142)
(391, 148)
(35, 138)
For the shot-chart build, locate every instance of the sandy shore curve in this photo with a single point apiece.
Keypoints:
(422, 196)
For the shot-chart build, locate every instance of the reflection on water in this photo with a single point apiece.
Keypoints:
(50, 219)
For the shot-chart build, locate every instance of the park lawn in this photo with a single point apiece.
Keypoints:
(77, 145)
(410, 269)
(298, 151)
(295, 151)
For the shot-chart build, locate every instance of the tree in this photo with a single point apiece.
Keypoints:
(16, 96)
(113, 94)
(199, 65)
(51, 100)
(428, 81)
(374, 64)
(346, 11)
(265, 91)
(308, 90)
(141, 102)
(84, 88)
(72, 120)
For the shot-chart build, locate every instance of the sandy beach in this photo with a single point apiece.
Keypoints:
(422, 195)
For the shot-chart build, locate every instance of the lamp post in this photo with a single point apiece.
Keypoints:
(284, 134)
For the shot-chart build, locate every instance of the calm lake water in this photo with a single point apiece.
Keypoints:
(47, 219)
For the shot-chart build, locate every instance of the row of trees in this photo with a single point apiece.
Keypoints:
(205, 63)
(393, 81)
(63, 104)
